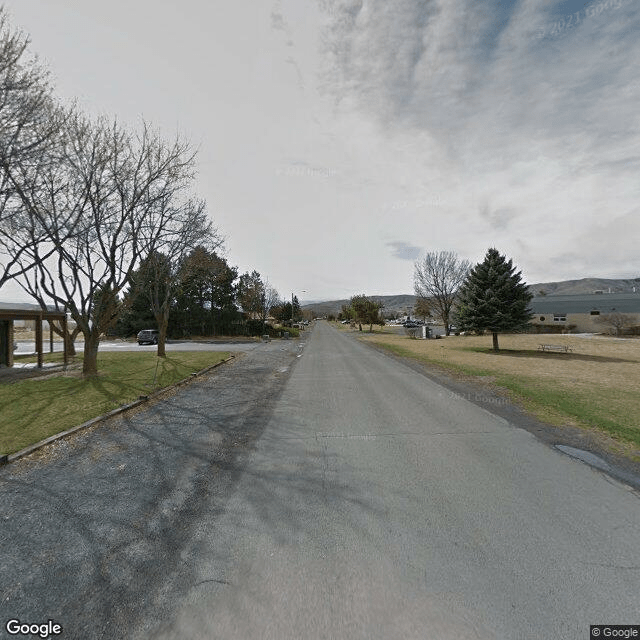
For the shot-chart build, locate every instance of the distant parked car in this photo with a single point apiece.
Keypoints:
(148, 336)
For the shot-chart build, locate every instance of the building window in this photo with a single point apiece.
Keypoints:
(595, 312)
(559, 317)
(541, 318)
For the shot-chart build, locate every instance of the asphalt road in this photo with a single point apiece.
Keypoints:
(339, 494)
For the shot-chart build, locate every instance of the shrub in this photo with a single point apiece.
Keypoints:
(293, 332)
(275, 331)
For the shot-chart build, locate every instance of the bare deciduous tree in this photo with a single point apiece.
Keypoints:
(437, 279)
(187, 228)
(103, 203)
(29, 281)
(617, 321)
(422, 308)
(45, 203)
(28, 125)
(271, 299)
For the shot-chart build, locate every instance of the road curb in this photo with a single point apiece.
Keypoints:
(7, 458)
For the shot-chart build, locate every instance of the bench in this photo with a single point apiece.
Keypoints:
(554, 347)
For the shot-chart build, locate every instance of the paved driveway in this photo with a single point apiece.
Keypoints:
(173, 345)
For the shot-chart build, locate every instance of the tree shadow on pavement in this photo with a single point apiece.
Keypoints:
(106, 529)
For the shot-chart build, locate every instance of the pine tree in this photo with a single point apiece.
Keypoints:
(493, 298)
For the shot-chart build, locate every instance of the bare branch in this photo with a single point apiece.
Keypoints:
(437, 279)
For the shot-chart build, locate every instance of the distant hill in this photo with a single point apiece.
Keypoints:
(27, 306)
(585, 285)
(395, 304)
(405, 303)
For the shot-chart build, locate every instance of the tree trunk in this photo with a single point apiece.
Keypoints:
(447, 328)
(68, 337)
(163, 322)
(90, 356)
(495, 342)
(69, 344)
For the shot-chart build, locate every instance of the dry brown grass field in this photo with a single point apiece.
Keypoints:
(596, 386)
(25, 335)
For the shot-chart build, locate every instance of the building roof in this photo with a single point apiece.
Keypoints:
(26, 311)
(603, 302)
(18, 305)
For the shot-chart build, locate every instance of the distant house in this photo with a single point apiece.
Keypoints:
(582, 313)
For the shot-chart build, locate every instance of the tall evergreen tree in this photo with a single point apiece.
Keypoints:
(493, 298)
(137, 313)
(206, 297)
(296, 313)
(251, 292)
(284, 313)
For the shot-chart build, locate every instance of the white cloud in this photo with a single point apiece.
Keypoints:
(404, 250)
(541, 134)
(328, 132)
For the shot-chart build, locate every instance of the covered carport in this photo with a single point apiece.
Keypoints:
(10, 313)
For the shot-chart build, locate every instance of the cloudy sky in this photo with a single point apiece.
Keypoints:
(341, 139)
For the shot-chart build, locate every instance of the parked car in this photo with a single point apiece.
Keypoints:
(148, 336)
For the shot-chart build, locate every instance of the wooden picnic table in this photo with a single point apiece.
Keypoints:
(554, 347)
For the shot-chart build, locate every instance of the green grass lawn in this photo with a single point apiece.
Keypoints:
(32, 357)
(35, 408)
